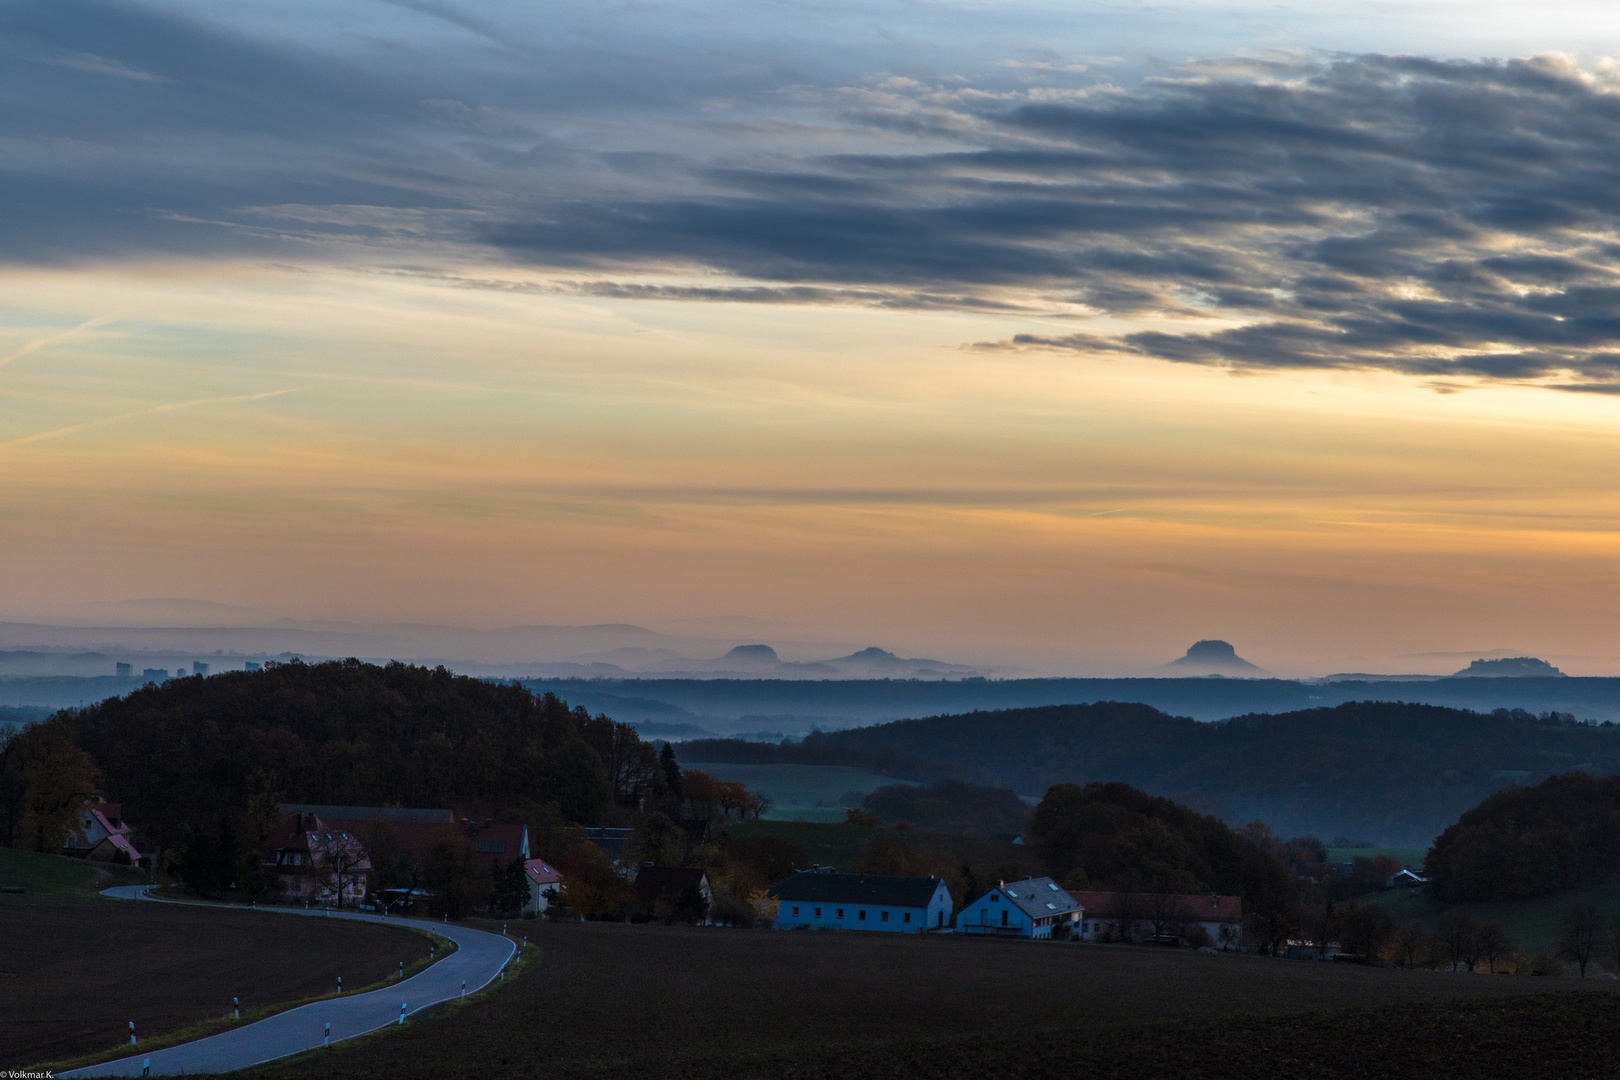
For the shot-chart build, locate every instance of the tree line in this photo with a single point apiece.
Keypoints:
(1389, 769)
(1561, 835)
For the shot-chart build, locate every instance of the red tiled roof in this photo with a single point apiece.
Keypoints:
(1207, 907)
(540, 873)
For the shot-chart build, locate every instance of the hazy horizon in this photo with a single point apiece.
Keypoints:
(1023, 335)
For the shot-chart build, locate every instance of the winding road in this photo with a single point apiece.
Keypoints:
(478, 959)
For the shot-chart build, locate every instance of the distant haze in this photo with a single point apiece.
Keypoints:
(1000, 335)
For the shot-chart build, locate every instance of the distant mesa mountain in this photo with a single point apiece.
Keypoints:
(1512, 667)
(751, 655)
(1213, 658)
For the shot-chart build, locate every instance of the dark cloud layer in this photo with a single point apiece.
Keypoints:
(1439, 218)
(1434, 218)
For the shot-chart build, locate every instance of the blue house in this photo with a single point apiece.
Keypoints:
(901, 905)
(1032, 908)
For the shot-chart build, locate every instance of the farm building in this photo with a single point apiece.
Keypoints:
(1202, 919)
(823, 899)
(1032, 908)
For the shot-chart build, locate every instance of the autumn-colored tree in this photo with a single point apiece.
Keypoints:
(593, 885)
(702, 794)
(765, 907)
(657, 839)
(59, 780)
(452, 875)
(1362, 929)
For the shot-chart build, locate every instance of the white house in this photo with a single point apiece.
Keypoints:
(103, 835)
(823, 899)
(1032, 908)
(543, 878)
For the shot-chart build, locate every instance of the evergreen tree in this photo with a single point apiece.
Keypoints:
(672, 770)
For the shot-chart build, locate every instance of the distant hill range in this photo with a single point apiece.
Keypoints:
(1513, 667)
(1214, 658)
(1392, 773)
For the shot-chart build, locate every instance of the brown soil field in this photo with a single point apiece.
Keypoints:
(74, 973)
(708, 1004)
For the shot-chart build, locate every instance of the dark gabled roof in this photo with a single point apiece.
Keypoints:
(878, 889)
(655, 882)
(396, 814)
(1040, 897)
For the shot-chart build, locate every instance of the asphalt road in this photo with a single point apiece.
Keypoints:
(478, 959)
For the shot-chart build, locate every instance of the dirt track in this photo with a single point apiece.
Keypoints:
(74, 973)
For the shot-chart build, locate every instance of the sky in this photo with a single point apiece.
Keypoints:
(1057, 335)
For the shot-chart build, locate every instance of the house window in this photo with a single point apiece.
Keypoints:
(840, 913)
(885, 916)
(1003, 916)
(995, 899)
(906, 917)
(863, 915)
(818, 913)
(795, 913)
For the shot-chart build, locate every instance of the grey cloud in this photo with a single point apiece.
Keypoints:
(1448, 219)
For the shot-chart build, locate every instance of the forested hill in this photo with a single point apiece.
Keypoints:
(179, 755)
(1388, 772)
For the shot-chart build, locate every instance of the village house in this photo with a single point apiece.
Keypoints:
(318, 861)
(103, 836)
(1199, 919)
(307, 868)
(1032, 908)
(674, 892)
(816, 899)
(543, 878)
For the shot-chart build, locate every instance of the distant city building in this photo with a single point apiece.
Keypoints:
(199, 668)
(155, 674)
(124, 671)
(179, 672)
(251, 665)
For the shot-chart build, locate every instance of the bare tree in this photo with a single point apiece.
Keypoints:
(1579, 936)
(1167, 913)
(1457, 935)
(1410, 941)
(1364, 928)
(1122, 912)
(1492, 943)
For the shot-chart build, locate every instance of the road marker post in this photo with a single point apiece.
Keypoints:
(402, 969)
(463, 991)
(236, 1008)
(340, 986)
(402, 1012)
(146, 1067)
(132, 1033)
(326, 1040)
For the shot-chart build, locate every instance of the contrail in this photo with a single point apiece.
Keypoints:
(35, 346)
(172, 406)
